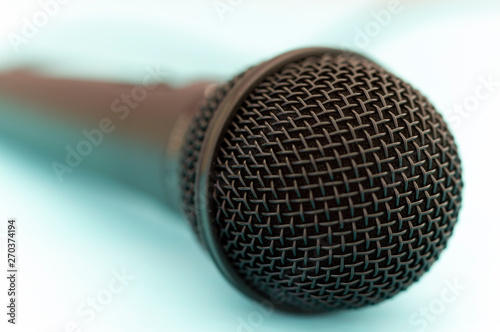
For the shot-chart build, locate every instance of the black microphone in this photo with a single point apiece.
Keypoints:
(316, 180)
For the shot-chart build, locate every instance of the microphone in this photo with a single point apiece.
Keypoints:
(316, 180)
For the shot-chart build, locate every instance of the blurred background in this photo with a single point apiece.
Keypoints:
(96, 255)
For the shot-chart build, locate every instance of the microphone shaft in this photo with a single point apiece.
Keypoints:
(131, 132)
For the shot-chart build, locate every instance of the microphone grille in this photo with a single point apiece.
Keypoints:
(335, 185)
(192, 148)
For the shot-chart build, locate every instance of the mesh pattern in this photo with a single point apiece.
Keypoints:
(192, 147)
(336, 185)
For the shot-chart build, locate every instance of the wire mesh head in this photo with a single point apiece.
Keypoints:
(334, 185)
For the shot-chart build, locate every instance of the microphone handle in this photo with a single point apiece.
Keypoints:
(133, 133)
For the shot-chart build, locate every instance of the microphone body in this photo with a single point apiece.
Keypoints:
(316, 180)
(133, 133)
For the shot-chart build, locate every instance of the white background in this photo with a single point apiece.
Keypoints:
(73, 237)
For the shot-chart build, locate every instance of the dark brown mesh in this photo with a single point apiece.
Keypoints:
(191, 151)
(336, 185)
